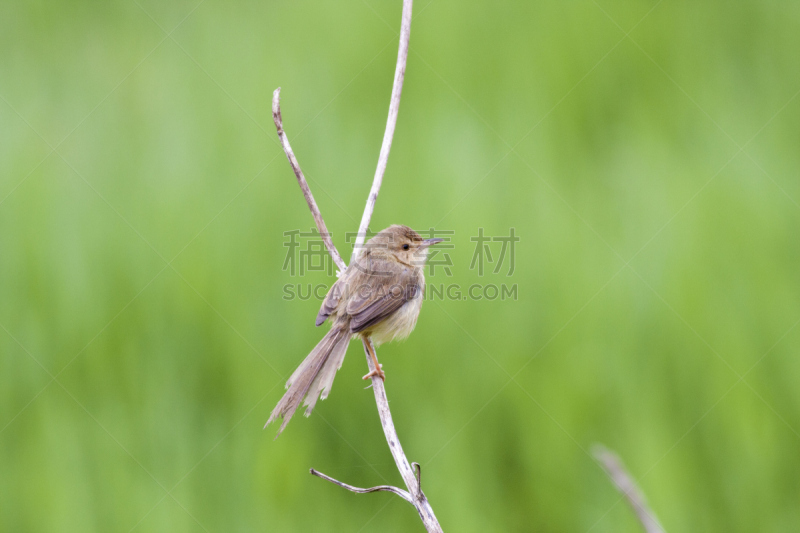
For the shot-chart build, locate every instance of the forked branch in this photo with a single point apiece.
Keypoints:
(411, 475)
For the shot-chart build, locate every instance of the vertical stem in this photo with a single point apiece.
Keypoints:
(391, 122)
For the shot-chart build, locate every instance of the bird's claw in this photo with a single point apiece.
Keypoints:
(377, 372)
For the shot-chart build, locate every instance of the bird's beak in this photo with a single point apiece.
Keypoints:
(430, 242)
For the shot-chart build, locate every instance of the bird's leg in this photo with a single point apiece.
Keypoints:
(378, 370)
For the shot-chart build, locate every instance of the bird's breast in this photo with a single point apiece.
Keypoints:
(400, 324)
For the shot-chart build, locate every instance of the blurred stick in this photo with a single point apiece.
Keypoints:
(613, 466)
(301, 179)
(411, 474)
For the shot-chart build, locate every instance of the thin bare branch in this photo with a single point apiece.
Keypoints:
(380, 488)
(613, 466)
(406, 471)
(301, 179)
(391, 122)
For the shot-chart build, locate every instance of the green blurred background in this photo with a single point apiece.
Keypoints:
(652, 179)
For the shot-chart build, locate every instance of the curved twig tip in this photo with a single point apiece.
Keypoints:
(276, 110)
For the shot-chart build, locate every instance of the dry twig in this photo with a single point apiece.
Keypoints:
(385, 488)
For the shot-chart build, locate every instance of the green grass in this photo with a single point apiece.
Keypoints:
(652, 180)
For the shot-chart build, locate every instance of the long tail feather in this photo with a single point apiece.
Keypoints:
(314, 377)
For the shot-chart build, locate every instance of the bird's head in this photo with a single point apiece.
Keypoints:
(401, 244)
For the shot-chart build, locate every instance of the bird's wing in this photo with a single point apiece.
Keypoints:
(380, 294)
(330, 303)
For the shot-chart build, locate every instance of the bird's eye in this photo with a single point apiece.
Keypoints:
(405, 247)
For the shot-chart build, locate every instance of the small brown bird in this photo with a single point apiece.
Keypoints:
(379, 296)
